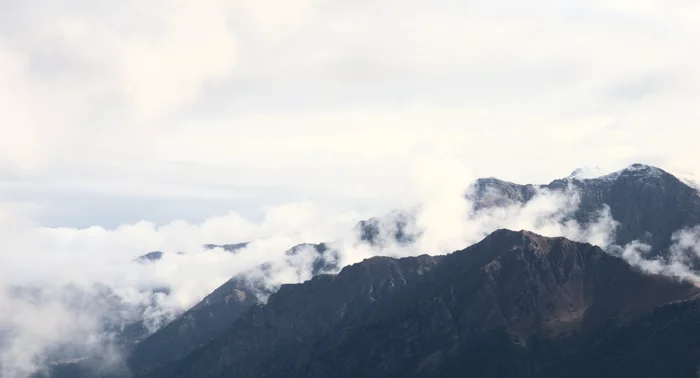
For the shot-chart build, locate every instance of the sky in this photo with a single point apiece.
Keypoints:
(114, 113)
(133, 126)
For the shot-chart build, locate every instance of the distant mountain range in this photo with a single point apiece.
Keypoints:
(649, 203)
(158, 255)
(517, 304)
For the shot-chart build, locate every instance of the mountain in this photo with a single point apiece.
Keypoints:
(587, 173)
(516, 304)
(150, 257)
(115, 319)
(649, 203)
(158, 255)
(395, 227)
(86, 367)
(216, 312)
(227, 247)
(195, 327)
(198, 325)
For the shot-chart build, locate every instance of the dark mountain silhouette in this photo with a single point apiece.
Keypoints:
(196, 327)
(514, 305)
(649, 203)
(395, 227)
(227, 247)
(150, 257)
(158, 255)
(215, 313)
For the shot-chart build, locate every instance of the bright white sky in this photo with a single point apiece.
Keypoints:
(286, 121)
(113, 112)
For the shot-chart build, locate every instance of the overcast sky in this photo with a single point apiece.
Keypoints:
(138, 125)
(114, 112)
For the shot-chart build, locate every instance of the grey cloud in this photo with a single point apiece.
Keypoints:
(252, 104)
(637, 88)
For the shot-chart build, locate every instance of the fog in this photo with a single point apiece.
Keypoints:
(69, 292)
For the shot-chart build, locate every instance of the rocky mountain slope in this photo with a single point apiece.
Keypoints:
(534, 311)
(649, 203)
(513, 305)
(215, 313)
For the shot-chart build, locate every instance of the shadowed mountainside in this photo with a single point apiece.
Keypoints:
(649, 203)
(513, 305)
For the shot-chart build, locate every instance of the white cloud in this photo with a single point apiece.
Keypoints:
(207, 95)
(57, 259)
(240, 106)
(61, 265)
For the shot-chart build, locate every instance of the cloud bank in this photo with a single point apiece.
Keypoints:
(67, 291)
(305, 116)
(221, 105)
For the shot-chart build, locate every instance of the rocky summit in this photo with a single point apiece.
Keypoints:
(648, 203)
(214, 314)
(517, 304)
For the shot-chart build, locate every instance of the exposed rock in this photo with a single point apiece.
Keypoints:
(649, 203)
(150, 257)
(513, 305)
(215, 313)
(227, 247)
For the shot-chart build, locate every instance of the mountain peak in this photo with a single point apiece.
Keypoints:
(150, 257)
(494, 309)
(521, 237)
(643, 168)
(648, 203)
(637, 170)
(597, 173)
(504, 242)
(514, 236)
(227, 247)
(585, 173)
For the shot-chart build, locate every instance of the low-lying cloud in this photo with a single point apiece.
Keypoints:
(681, 261)
(63, 291)
(68, 292)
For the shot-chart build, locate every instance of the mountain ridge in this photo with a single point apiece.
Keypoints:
(638, 193)
(567, 288)
(649, 203)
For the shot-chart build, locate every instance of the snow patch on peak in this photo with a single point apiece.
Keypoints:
(639, 171)
(640, 167)
(586, 173)
(635, 170)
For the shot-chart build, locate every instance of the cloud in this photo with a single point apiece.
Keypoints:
(41, 325)
(91, 260)
(79, 286)
(680, 261)
(210, 96)
(436, 217)
(342, 109)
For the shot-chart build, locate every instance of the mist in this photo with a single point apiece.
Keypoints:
(67, 293)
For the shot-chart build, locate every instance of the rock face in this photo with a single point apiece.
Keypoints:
(150, 257)
(194, 328)
(215, 313)
(396, 227)
(514, 305)
(650, 204)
